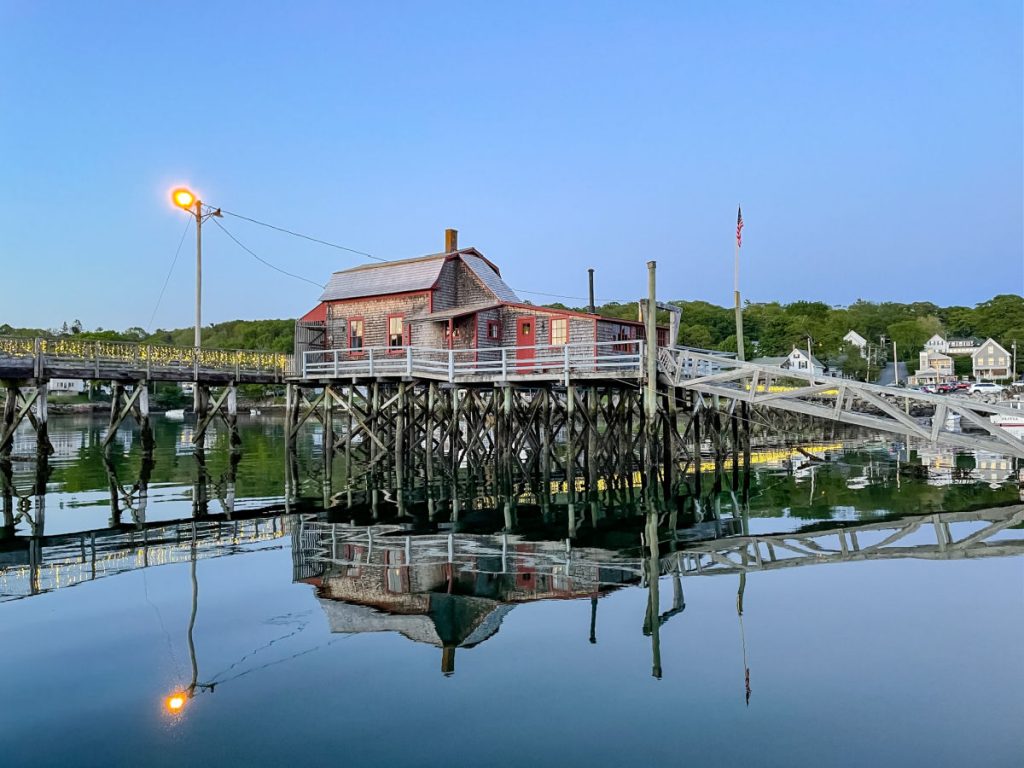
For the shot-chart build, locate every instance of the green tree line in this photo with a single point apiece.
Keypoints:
(769, 328)
(774, 329)
(270, 335)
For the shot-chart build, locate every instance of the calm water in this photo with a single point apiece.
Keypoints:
(882, 614)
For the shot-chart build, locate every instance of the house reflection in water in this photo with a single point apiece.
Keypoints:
(449, 591)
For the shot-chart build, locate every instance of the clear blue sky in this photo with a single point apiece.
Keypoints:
(876, 148)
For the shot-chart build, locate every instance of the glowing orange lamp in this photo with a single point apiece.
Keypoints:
(175, 703)
(183, 198)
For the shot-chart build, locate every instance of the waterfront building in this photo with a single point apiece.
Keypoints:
(455, 300)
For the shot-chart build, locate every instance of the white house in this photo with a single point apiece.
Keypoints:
(854, 338)
(965, 346)
(991, 361)
(937, 344)
(796, 360)
(66, 386)
(933, 368)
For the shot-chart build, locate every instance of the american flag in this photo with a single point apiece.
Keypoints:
(739, 226)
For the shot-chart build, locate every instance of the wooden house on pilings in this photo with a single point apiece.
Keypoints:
(455, 300)
(425, 369)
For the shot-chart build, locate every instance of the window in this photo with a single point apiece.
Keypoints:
(559, 331)
(493, 330)
(624, 334)
(396, 334)
(355, 333)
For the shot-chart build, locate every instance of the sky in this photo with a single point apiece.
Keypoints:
(877, 149)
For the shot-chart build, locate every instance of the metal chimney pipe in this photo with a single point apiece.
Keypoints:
(590, 275)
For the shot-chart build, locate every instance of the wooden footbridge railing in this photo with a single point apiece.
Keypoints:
(72, 358)
(957, 421)
(885, 409)
(542, 362)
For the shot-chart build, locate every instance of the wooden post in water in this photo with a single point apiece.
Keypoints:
(546, 447)
(651, 381)
(400, 447)
(570, 456)
(653, 598)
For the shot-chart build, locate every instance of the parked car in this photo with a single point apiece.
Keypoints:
(962, 385)
(944, 389)
(986, 388)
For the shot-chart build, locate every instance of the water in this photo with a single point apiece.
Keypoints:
(317, 642)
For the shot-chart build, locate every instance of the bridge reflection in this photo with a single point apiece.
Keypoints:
(453, 590)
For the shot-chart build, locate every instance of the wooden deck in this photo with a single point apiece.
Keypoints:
(533, 364)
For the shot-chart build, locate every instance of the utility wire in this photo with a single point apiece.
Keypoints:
(188, 223)
(262, 260)
(304, 237)
(577, 298)
(379, 258)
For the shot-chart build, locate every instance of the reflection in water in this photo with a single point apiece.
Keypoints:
(454, 590)
(475, 573)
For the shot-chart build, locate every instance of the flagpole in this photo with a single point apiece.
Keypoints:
(736, 287)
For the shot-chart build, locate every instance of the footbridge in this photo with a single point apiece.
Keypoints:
(28, 365)
(709, 377)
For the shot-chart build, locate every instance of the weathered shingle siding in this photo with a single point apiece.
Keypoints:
(445, 293)
(609, 330)
(375, 313)
(468, 287)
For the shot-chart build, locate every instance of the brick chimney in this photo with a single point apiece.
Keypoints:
(451, 240)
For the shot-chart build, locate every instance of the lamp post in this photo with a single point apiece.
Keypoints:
(186, 200)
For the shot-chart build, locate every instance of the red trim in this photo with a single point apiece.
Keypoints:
(348, 333)
(595, 340)
(476, 337)
(387, 333)
(573, 313)
(380, 296)
(317, 314)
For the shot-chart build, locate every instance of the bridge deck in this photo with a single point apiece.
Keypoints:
(70, 358)
(885, 409)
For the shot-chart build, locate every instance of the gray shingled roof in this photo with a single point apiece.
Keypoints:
(491, 279)
(377, 279)
(420, 274)
(451, 314)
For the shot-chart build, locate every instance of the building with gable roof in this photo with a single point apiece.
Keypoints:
(991, 361)
(454, 300)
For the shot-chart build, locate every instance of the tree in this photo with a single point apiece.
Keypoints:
(852, 362)
(910, 335)
(695, 336)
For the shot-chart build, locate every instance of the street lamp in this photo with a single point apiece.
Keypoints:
(186, 200)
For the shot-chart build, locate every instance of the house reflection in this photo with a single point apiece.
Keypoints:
(447, 591)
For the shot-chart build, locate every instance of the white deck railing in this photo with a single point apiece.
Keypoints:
(562, 361)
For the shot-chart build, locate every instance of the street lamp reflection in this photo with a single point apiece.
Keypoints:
(175, 703)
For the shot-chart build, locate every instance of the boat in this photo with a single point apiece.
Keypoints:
(254, 411)
(176, 414)
(1012, 423)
